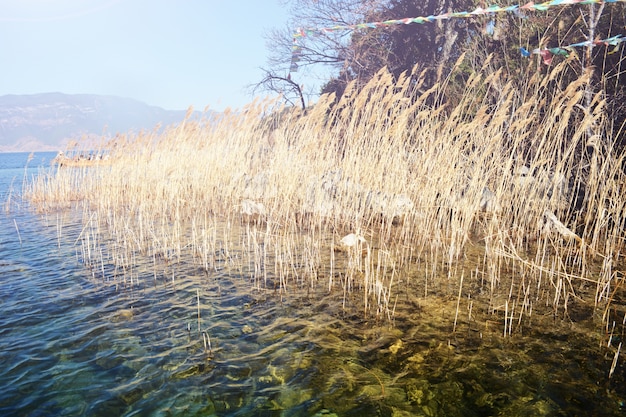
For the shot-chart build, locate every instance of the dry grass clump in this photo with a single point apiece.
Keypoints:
(518, 199)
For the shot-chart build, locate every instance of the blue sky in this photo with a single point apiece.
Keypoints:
(167, 53)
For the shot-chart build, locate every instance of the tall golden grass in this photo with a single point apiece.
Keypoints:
(513, 199)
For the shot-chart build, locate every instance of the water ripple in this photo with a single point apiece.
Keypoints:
(76, 342)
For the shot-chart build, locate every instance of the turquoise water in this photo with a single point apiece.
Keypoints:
(177, 340)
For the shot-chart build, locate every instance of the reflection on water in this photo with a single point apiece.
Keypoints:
(75, 341)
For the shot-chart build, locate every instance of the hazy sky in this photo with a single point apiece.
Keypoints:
(167, 53)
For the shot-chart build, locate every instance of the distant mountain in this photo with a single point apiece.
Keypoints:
(47, 122)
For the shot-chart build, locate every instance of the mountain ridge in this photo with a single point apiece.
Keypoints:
(49, 121)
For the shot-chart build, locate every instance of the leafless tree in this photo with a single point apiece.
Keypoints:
(304, 46)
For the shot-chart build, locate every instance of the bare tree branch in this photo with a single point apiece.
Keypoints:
(285, 86)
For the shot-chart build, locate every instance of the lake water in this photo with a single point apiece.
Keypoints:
(79, 340)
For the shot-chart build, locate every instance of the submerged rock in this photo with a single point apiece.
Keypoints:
(122, 315)
(325, 413)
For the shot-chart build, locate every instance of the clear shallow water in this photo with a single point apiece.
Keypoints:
(77, 341)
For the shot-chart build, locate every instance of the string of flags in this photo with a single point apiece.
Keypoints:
(296, 53)
(547, 53)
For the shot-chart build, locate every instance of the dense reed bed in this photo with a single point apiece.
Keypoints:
(510, 204)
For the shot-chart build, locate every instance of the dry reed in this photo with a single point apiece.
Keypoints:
(438, 193)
